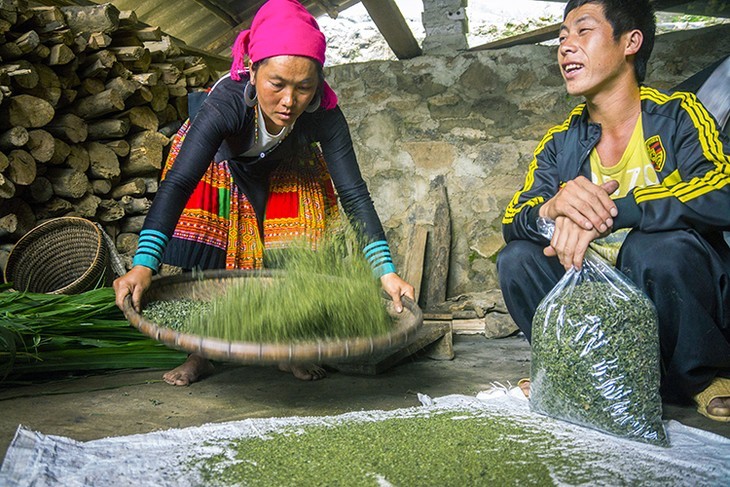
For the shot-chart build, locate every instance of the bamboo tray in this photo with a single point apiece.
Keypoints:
(206, 285)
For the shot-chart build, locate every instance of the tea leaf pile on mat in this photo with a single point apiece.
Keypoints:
(595, 360)
(46, 333)
(325, 294)
(446, 449)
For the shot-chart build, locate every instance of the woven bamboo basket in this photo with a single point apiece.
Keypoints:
(208, 284)
(66, 255)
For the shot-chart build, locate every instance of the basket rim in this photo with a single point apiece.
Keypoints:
(332, 350)
(57, 221)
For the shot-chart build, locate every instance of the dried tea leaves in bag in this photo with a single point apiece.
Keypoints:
(595, 354)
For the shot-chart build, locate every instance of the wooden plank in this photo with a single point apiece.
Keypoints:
(437, 316)
(474, 326)
(438, 249)
(389, 20)
(415, 256)
(441, 349)
(426, 335)
(533, 37)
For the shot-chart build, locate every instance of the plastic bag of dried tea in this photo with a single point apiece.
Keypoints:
(595, 353)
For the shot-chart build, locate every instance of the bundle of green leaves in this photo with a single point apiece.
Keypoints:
(53, 333)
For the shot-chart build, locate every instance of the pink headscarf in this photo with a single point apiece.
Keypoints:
(282, 28)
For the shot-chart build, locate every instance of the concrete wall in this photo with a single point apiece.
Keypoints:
(475, 120)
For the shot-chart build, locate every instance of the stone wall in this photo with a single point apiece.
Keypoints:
(475, 120)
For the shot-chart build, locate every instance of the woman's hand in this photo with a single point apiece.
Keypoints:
(397, 287)
(134, 282)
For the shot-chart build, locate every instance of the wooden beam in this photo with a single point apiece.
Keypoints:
(222, 43)
(533, 37)
(65, 3)
(552, 31)
(220, 12)
(327, 6)
(710, 8)
(332, 8)
(665, 4)
(707, 7)
(389, 20)
(345, 5)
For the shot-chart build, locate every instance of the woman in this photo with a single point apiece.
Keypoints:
(268, 182)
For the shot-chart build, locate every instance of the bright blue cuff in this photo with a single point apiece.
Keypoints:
(150, 247)
(378, 256)
(383, 270)
(146, 260)
(375, 247)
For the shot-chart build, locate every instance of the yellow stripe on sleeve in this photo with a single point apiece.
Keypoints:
(514, 208)
(712, 150)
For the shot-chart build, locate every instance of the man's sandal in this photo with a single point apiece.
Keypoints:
(522, 382)
(719, 387)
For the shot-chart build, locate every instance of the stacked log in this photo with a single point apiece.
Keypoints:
(89, 100)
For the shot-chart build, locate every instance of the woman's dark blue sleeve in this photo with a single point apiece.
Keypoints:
(334, 137)
(213, 122)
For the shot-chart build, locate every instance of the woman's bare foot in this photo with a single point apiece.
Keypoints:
(194, 369)
(304, 372)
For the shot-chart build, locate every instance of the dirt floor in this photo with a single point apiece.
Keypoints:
(139, 402)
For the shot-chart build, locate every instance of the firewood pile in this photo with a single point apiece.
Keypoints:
(89, 101)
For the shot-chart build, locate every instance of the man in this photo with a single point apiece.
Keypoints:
(642, 175)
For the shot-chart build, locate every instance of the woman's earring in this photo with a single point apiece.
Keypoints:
(314, 104)
(249, 94)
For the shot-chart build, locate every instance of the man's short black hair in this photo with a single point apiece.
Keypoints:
(626, 15)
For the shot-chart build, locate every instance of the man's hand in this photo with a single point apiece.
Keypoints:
(570, 242)
(397, 287)
(585, 203)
